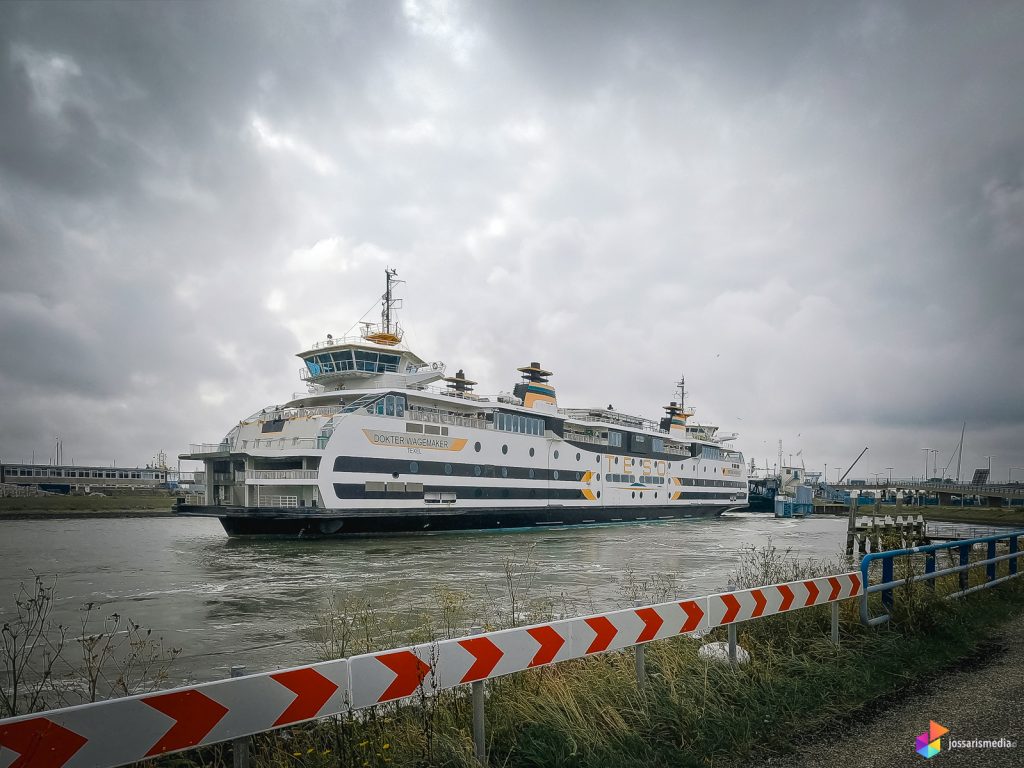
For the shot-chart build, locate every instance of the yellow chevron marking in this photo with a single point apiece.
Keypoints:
(586, 476)
(589, 495)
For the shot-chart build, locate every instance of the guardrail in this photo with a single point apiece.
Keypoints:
(126, 730)
(964, 550)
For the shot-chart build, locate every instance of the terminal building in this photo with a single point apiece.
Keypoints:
(75, 479)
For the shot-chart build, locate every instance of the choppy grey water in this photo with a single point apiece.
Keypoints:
(227, 602)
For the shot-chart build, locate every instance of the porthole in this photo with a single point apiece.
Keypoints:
(476, 447)
(477, 471)
(556, 454)
(655, 494)
(504, 471)
(532, 474)
(504, 449)
(634, 494)
(670, 465)
(394, 475)
(447, 469)
(414, 467)
(599, 494)
(478, 492)
(532, 451)
(554, 474)
(578, 457)
(579, 475)
(504, 493)
(533, 493)
(599, 460)
(599, 477)
(616, 459)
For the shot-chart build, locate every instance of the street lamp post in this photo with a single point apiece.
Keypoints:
(890, 475)
(838, 471)
(989, 478)
(1010, 471)
(925, 475)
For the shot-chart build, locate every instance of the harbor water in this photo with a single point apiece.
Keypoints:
(253, 602)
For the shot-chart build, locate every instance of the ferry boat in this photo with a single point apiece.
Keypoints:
(385, 442)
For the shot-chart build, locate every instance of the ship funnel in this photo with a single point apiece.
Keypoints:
(534, 388)
(459, 385)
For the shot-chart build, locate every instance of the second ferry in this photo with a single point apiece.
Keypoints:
(375, 447)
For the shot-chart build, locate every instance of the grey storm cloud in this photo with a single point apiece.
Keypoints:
(813, 211)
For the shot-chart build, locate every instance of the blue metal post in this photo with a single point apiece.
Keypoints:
(965, 556)
(1013, 551)
(990, 569)
(886, 578)
(929, 567)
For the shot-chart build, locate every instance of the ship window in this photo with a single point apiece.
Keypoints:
(657, 444)
(389, 405)
(342, 360)
(444, 431)
(387, 363)
(477, 470)
(431, 429)
(532, 452)
(504, 449)
(556, 454)
(578, 457)
(447, 469)
(555, 474)
(365, 360)
(532, 474)
(599, 494)
(615, 439)
(504, 471)
(414, 467)
(476, 447)
(478, 493)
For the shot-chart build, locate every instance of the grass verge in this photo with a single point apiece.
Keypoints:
(43, 506)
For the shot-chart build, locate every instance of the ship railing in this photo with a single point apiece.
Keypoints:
(199, 448)
(610, 417)
(195, 498)
(280, 474)
(436, 417)
(278, 501)
(338, 341)
(581, 437)
(287, 414)
(284, 443)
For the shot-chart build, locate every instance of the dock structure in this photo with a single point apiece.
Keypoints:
(876, 533)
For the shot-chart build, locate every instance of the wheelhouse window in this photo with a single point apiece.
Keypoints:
(390, 405)
(614, 439)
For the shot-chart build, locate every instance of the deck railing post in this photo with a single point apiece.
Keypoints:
(240, 747)
(479, 723)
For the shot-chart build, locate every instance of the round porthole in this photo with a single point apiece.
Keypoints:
(477, 471)
(578, 457)
(532, 451)
(476, 447)
(599, 494)
(504, 449)
(599, 460)
(616, 459)
(447, 469)
(634, 494)
(394, 475)
(478, 492)
(555, 474)
(556, 454)
(504, 471)
(599, 477)
(579, 475)
(532, 474)
(414, 467)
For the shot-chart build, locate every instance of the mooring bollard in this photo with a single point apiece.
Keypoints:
(479, 732)
(835, 624)
(641, 667)
(240, 747)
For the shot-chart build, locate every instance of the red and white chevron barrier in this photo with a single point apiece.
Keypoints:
(121, 731)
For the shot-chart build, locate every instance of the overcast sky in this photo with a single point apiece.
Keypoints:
(815, 211)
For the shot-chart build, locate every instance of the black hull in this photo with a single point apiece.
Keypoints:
(269, 521)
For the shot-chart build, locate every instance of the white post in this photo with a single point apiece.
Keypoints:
(240, 747)
(835, 624)
(479, 732)
(732, 637)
